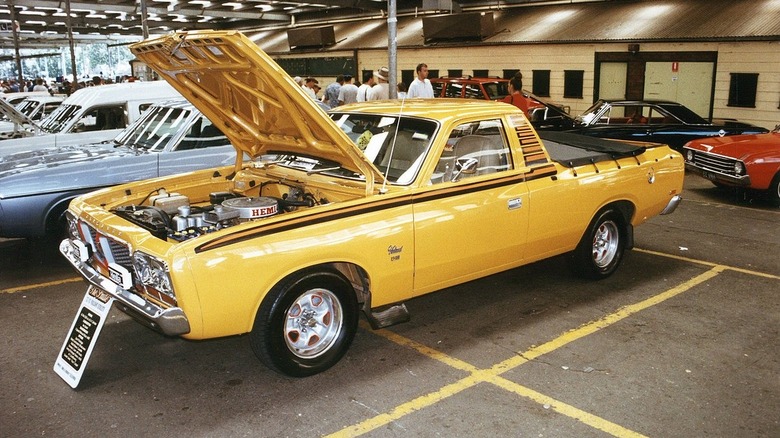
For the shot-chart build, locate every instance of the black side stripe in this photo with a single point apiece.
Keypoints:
(265, 229)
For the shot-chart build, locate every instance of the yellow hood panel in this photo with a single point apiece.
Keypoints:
(249, 97)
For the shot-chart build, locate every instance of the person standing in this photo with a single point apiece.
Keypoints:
(331, 95)
(348, 92)
(421, 85)
(365, 88)
(380, 91)
(308, 87)
(516, 97)
(39, 85)
(402, 93)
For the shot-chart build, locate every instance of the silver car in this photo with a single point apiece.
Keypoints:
(36, 186)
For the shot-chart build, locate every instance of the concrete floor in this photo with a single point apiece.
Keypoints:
(682, 341)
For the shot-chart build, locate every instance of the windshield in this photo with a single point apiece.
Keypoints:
(156, 128)
(396, 145)
(590, 113)
(57, 120)
(27, 107)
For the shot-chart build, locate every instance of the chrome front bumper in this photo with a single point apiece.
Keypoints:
(171, 321)
(672, 205)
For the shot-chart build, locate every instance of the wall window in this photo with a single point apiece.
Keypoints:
(572, 83)
(508, 74)
(541, 83)
(742, 89)
(481, 73)
(454, 73)
(408, 76)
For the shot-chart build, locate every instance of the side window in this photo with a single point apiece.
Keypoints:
(453, 90)
(474, 91)
(473, 149)
(202, 134)
(103, 118)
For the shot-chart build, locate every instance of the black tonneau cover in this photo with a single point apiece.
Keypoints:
(573, 150)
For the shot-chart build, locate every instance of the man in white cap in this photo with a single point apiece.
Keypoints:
(381, 90)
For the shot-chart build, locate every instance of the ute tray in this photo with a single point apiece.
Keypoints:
(572, 150)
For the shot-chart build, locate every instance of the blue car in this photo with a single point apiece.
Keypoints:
(36, 186)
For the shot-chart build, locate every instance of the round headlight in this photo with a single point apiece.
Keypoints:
(739, 168)
(689, 155)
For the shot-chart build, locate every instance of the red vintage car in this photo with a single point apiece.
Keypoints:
(748, 161)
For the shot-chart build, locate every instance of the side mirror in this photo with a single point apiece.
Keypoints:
(467, 166)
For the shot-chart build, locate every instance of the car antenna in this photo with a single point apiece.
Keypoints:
(392, 147)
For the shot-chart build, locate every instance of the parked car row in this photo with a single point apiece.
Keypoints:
(20, 119)
(37, 185)
(656, 121)
(89, 115)
(37, 182)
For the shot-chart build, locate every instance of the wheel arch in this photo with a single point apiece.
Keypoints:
(627, 210)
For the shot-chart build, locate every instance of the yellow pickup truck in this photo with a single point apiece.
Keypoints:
(325, 215)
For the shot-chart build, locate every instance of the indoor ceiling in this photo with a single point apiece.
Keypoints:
(42, 23)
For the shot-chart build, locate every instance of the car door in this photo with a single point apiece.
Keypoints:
(469, 222)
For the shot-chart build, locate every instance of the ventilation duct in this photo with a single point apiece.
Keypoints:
(468, 26)
(311, 37)
(441, 5)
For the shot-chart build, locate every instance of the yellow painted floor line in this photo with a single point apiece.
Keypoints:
(706, 263)
(491, 375)
(39, 285)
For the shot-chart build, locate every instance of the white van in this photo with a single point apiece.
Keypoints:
(93, 114)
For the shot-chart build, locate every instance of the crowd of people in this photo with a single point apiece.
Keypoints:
(59, 86)
(375, 86)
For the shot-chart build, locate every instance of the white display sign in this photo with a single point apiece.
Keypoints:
(83, 334)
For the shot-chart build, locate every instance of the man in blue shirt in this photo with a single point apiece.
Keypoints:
(331, 96)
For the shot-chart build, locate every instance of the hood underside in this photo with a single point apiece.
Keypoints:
(249, 97)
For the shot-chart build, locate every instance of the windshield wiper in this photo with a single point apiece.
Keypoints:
(326, 169)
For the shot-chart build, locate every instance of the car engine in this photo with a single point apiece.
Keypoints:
(172, 216)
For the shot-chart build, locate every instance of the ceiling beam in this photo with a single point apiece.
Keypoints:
(102, 7)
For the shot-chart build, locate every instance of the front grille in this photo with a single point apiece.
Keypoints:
(105, 249)
(714, 163)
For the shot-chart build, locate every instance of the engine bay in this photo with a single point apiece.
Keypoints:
(174, 216)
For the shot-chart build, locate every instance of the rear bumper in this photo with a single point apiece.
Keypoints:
(672, 205)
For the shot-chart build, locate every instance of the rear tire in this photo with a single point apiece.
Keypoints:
(306, 323)
(601, 249)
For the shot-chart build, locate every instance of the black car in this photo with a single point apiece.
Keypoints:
(655, 121)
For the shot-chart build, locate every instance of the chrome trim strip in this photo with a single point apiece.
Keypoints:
(171, 321)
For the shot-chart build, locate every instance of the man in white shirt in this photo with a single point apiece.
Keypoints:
(348, 92)
(421, 86)
(380, 91)
(308, 87)
(365, 87)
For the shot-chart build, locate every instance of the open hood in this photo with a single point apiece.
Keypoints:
(13, 115)
(249, 97)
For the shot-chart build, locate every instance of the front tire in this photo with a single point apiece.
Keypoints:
(774, 190)
(305, 324)
(601, 249)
